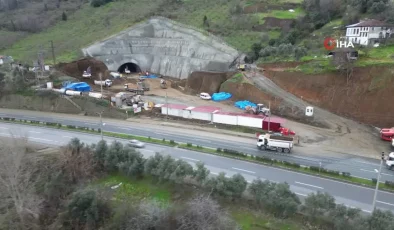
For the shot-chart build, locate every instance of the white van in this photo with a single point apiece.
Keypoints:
(205, 96)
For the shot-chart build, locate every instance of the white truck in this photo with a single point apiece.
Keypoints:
(276, 143)
(390, 161)
(107, 83)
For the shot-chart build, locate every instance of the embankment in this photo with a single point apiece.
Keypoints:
(49, 102)
(366, 98)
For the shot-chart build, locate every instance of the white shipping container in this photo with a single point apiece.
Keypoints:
(95, 95)
(175, 112)
(225, 119)
(49, 85)
(73, 93)
(250, 121)
(201, 116)
(187, 114)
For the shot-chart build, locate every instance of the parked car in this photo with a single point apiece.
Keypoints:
(205, 96)
(136, 144)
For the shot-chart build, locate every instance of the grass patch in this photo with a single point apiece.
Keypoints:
(238, 78)
(136, 189)
(249, 220)
(282, 14)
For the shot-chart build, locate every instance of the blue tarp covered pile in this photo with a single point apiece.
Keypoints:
(222, 96)
(243, 104)
(149, 76)
(78, 86)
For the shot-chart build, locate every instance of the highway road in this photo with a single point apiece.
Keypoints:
(301, 184)
(357, 166)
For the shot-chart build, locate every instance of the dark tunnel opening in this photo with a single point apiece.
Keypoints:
(133, 68)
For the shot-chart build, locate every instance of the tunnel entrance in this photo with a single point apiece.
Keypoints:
(132, 67)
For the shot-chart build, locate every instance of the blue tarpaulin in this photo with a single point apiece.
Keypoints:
(78, 86)
(243, 104)
(149, 76)
(221, 96)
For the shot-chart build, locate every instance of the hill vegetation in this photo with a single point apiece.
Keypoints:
(267, 30)
(111, 186)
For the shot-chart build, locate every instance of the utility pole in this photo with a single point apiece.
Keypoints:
(269, 116)
(167, 106)
(53, 53)
(101, 124)
(101, 84)
(377, 182)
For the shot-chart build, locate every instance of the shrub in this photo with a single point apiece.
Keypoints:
(164, 140)
(172, 142)
(374, 180)
(99, 130)
(389, 184)
(71, 126)
(218, 150)
(189, 145)
(346, 174)
(59, 125)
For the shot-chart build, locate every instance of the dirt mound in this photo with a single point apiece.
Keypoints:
(76, 68)
(366, 98)
(208, 82)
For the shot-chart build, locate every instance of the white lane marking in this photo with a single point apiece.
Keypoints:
(367, 170)
(35, 138)
(187, 158)
(67, 137)
(387, 174)
(300, 194)
(375, 172)
(367, 163)
(3, 128)
(308, 185)
(90, 124)
(33, 132)
(30, 117)
(243, 170)
(161, 134)
(125, 129)
(384, 203)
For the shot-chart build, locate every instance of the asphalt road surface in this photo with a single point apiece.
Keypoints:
(357, 166)
(301, 184)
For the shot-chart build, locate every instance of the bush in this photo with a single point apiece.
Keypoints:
(71, 126)
(99, 130)
(389, 184)
(218, 150)
(172, 142)
(164, 140)
(59, 125)
(346, 174)
(374, 180)
(189, 145)
(98, 3)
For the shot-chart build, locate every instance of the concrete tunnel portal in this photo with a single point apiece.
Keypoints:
(132, 67)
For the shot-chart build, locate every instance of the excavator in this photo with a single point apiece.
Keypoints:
(260, 108)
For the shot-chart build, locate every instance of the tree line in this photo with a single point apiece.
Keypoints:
(55, 195)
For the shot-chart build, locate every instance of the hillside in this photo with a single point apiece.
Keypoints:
(252, 26)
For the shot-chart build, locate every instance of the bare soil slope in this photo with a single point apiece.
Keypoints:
(366, 98)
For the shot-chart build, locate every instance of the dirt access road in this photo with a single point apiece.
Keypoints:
(343, 135)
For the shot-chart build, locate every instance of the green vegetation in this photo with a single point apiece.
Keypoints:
(238, 78)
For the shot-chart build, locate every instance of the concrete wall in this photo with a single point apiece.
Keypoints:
(164, 47)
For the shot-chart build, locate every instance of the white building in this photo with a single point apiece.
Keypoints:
(368, 32)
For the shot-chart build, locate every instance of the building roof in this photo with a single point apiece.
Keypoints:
(206, 109)
(174, 106)
(369, 23)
